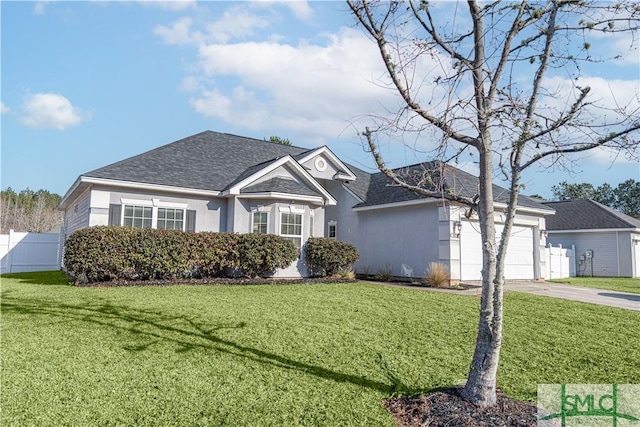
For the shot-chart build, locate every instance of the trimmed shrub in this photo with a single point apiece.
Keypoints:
(102, 254)
(99, 254)
(212, 253)
(262, 254)
(326, 257)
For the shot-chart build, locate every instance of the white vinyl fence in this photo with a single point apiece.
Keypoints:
(22, 252)
(561, 262)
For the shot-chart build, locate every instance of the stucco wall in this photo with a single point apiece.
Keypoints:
(210, 213)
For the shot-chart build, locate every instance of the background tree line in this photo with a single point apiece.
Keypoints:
(28, 210)
(624, 198)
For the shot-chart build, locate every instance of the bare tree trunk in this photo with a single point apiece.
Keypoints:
(515, 34)
(480, 387)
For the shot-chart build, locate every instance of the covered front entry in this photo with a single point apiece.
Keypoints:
(520, 260)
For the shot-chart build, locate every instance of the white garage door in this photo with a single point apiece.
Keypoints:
(519, 261)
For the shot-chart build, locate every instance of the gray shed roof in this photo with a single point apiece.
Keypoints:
(587, 215)
(215, 161)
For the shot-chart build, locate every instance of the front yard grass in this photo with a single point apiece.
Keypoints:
(277, 355)
(618, 284)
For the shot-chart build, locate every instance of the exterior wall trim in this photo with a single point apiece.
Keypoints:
(274, 195)
(133, 185)
(349, 176)
(398, 204)
(430, 201)
(596, 230)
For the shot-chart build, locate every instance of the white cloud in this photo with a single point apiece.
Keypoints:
(235, 23)
(3, 108)
(51, 111)
(174, 5)
(313, 87)
(39, 7)
(179, 32)
(300, 8)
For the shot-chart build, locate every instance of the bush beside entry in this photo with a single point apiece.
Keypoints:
(99, 254)
(326, 257)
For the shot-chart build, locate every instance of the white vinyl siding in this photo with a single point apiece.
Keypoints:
(77, 215)
(604, 247)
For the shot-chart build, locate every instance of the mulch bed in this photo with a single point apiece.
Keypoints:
(217, 281)
(447, 408)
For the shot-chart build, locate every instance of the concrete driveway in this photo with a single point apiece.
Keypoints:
(555, 290)
(576, 293)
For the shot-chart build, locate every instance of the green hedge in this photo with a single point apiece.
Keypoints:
(262, 254)
(100, 254)
(326, 257)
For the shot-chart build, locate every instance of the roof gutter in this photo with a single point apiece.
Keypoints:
(427, 201)
(596, 230)
(132, 185)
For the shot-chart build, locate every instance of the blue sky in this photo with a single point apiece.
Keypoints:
(85, 84)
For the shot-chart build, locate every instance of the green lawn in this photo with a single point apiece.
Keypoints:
(619, 284)
(277, 355)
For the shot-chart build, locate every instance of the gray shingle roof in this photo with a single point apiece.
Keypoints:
(214, 161)
(434, 176)
(281, 185)
(207, 161)
(587, 215)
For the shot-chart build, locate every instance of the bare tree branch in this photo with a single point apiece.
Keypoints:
(378, 34)
(586, 147)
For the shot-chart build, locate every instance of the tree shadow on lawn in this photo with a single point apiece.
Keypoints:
(47, 278)
(154, 327)
(629, 297)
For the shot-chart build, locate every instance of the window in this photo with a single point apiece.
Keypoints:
(332, 230)
(153, 213)
(138, 216)
(260, 222)
(170, 219)
(291, 227)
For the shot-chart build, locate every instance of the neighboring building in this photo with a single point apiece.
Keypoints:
(607, 242)
(220, 182)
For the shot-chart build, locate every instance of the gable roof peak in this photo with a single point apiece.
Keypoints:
(207, 160)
